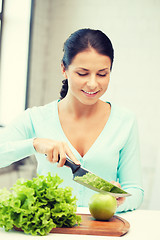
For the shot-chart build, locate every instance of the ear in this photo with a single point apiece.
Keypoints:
(63, 70)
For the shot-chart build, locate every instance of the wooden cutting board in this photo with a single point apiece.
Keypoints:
(116, 226)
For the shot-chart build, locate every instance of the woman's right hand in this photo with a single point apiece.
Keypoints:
(53, 150)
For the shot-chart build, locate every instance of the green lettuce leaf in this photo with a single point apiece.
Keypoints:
(38, 205)
(97, 182)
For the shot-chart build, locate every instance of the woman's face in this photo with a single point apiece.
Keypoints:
(88, 76)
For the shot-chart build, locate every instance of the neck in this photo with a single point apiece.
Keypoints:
(78, 109)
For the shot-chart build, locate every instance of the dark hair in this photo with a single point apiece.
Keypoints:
(80, 41)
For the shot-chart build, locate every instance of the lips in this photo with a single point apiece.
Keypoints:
(90, 94)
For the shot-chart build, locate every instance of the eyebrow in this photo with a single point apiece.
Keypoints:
(98, 70)
(83, 69)
(103, 69)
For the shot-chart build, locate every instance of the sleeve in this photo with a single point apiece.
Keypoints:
(129, 170)
(16, 140)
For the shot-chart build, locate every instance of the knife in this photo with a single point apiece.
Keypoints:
(80, 175)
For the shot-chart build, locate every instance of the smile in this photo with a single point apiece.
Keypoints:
(90, 93)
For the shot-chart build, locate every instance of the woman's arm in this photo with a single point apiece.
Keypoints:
(16, 140)
(19, 140)
(129, 171)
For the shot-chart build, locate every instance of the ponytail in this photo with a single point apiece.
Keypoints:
(64, 89)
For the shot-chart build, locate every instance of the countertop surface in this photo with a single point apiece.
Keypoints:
(144, 224)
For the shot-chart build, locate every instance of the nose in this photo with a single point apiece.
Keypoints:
(92, 83)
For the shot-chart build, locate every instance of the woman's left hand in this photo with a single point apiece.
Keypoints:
(120, 200)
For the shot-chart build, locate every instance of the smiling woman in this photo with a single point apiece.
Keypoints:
(97, 134)
(88, 42)
(88, 75)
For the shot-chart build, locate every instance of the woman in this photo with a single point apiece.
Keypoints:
(96, 134)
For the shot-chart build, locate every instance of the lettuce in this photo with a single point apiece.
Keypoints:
(38, 205)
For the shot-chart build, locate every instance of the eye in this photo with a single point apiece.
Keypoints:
(102, 75)
(82, 74)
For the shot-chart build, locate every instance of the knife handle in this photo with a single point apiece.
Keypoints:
(69, 163)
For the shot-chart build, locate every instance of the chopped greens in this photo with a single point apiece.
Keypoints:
(97, 182)
(38, 205)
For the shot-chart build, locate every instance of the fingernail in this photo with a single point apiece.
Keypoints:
(58, 165)
(78, 163)
(54, 160)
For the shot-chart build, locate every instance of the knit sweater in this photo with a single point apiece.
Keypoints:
(113, 156)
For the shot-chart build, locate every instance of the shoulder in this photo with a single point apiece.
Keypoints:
(44, 108)
(123, 123)
(122, 113)
(122, 117)
(42, 112)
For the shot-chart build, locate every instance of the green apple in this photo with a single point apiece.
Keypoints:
(102, 206)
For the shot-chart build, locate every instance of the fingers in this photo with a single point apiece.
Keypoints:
(71, 155)
(65, 150)
(120, 200)
(62, 157)
(56, 151)
(117, 184)
(49, 156)
(55, 156)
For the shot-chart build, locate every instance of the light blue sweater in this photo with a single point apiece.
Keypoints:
(113, 156)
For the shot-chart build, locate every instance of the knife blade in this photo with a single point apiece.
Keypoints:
(79, 173)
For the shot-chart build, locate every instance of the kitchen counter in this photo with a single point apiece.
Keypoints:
(144, 224)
